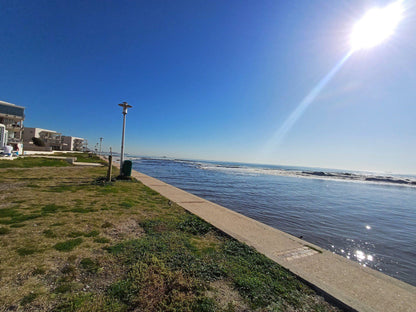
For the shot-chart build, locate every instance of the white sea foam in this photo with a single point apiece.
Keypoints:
(309, 174)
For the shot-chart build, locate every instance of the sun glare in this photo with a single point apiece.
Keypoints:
(376, 26)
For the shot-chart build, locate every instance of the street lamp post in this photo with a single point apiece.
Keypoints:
(101, 141)
(125, 106)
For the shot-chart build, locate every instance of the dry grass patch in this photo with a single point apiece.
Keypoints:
(64, 202)
(227, 298)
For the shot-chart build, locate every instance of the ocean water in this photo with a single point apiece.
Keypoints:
(365, 217)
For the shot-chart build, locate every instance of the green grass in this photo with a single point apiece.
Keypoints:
(260, 280)
(4, 231)
(28, 299)
(83, 210)
(28, 162)
(49, 234)
(138, 252)
(17, 225)
(194, 225)
(18, 218)
(24, 251)
(65, 287)
(68, 245)
(58, 224)
(8, 213)
(92, 233)
(169, 248)
(52, 208)
(64, 188)
(89, 265)
(101, 240)
(127, 204)
(75, 234)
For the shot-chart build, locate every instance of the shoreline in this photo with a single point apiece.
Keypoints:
(354, 287)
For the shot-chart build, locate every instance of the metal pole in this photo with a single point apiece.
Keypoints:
(125, 106)
(101, 140)
(122, 143)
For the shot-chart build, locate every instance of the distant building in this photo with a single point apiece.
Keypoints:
(70, 143)
(51, 139)
(12, 116)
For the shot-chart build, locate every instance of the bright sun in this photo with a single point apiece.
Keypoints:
(377, 25)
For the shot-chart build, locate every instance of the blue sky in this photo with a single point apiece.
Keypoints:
(214, 79)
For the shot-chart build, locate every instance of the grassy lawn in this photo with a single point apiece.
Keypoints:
(71, 243)
(29, 162)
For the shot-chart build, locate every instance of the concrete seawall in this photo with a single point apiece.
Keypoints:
(355, 287)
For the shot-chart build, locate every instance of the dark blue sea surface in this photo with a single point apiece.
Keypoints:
(369, 218)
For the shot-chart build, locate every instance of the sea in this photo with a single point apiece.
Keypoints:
(366, 217)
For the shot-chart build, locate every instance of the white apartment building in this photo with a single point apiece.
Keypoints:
(12, 116)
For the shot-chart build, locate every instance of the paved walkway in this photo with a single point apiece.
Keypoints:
(357, 287)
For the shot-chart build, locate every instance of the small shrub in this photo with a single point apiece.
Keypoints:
(68, 245)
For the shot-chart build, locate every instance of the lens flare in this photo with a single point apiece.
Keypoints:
(376, 26)
(280, 134)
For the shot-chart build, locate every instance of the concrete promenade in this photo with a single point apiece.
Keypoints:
(354, 286)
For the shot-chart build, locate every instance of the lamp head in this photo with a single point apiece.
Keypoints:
(125, 106)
